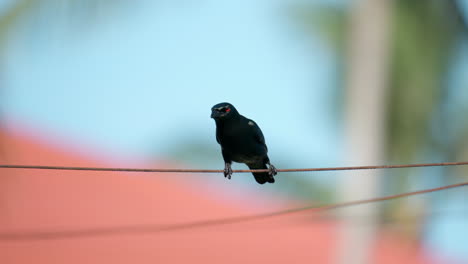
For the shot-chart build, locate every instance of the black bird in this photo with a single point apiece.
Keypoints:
(241, 141)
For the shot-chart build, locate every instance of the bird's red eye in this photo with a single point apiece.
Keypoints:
(228, 110)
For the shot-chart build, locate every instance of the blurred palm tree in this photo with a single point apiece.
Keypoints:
(419, 121)
(80, 11)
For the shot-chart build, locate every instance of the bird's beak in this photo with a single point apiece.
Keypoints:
(216, 114)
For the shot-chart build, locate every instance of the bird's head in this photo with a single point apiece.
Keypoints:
(223, 111)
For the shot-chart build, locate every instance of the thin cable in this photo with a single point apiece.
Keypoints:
(36, 167)
(46, 235)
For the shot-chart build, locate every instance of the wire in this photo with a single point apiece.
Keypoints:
(36, 167)
(144, 229)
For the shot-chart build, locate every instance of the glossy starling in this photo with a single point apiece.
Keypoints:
(241, 141)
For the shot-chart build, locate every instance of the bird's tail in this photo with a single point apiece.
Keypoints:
(261, 177)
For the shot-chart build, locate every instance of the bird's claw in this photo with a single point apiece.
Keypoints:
(227, 171)
(272, 170)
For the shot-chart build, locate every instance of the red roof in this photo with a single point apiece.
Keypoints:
(80, 200)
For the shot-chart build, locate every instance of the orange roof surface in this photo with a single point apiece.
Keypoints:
(44, 200)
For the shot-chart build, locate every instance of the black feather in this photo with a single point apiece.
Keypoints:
(241, 141)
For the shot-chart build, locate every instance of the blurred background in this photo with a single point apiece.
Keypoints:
(330, 82)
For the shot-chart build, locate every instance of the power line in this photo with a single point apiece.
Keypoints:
(398, 166)
(144, 229)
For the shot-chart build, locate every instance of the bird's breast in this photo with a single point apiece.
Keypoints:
(242, 147)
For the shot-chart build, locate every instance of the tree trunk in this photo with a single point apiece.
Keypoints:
(365, 125)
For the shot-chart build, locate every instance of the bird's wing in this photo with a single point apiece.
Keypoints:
(257, 132)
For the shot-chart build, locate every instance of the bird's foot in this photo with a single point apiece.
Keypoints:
(272, 170)
(227, 170)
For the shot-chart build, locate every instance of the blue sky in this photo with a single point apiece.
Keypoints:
(153, 76)
(143, 79)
